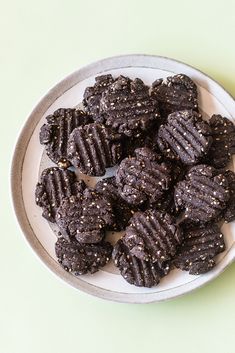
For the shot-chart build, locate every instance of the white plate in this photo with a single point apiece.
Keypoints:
(29, 159)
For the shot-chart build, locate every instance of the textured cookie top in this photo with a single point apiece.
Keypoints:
(55, 133)
(85, 216)
(223, 145)
(92, 96)
(135, 271)
(175, 93)
(152, 236)
(121, 209)
(142, 178)
(54, 185)
(199, 248)
(185, 137)
(93, 148)
(203, 195)
(80, 258)
(128, 107)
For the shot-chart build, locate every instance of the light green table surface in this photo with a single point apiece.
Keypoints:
(40, 43)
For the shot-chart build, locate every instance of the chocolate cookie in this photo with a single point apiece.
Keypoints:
(143, 139)
(54, 185)
(185, 137)
(80, 259)
(175, 93)
(128, 107)
(200, 246)
(121, 209)
(229, 213)
(152, 236)
(135, 271)
(93, 148)
(92, 96)
(85, 216)
(166, 203)
(55, 133)
(223, 145)
(203, 195)
(142, 178)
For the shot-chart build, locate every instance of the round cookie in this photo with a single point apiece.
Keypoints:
(142, 178)
(121, 209)
(200, 246)
(135, 271)
(54, 185)
(80, 259)
(92, 96)
(55, 133)
(223, 145)
(175, 93)
(93, 148)
(203, 195)
(185, 137)
(127, 106)
(152, 236)
(85, 217)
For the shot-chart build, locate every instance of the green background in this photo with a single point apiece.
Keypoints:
(40, 43)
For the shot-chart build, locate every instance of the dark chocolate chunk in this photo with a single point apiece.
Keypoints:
(121, 209)
(135, 271)
(85, 216)
(175, 93)
(203, 195)
(54, 185)
(185, 137)
(152, 236)
(223, 145)
(92, 96)
(142, 178)
(55, 133)
(229, 213)
(93, 148)
(199, 248)
(128, 107)
(80, 258)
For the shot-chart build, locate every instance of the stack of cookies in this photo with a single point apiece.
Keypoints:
(171, 191)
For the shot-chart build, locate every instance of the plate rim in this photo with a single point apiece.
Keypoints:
(18, 205)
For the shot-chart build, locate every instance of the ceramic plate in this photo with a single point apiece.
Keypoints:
(30, 159)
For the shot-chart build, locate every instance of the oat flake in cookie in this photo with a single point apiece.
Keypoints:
(85, 217)
(152, 236)
(223, 145)
(199, 248)
(82, 258)
(55, 133)
(93, 148)
(175, 93)
(121, 209)
(54, 185)
(92, 96)
(185, 137)
(135, 271)
(203, 195)
(143, 178)
(127, 106)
